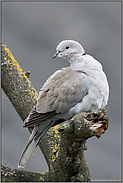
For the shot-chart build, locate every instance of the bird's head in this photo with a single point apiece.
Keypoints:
(68, 49)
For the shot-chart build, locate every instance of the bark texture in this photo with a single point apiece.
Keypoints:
(63, 145)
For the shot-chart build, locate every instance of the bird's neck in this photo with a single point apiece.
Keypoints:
(75, 59)
(84, 62)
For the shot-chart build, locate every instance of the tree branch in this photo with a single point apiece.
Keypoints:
(63, 145)
(13, 175)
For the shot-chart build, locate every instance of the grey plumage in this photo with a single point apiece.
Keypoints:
(80, 87)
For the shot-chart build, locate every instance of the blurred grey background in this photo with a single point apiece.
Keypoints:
(32, 31)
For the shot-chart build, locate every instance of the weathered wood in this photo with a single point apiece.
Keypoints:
(16, 84)
(14, 175)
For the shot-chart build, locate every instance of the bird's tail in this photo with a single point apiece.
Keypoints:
(33, 141)
(28, 150)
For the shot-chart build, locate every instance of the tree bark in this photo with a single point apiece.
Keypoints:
(63, 145)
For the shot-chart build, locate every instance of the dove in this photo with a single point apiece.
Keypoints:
(81, 87)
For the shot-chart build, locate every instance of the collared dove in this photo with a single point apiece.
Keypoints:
(80, 87)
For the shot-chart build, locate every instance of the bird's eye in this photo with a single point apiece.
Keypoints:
(67, 47)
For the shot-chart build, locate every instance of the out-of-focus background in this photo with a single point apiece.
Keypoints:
(32, 31)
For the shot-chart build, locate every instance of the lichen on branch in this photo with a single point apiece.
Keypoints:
(16, 84)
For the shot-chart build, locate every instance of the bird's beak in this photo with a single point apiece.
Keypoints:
(56, 54)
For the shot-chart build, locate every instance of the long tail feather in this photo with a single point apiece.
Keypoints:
(28, 150)
(33, 141)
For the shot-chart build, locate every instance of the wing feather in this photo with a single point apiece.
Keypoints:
(36, 118)
(62, 91)
(64, 87)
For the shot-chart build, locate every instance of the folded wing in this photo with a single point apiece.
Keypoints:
(62, 91)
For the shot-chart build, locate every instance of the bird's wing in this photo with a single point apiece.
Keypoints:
(36, 118)
(62, 91)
